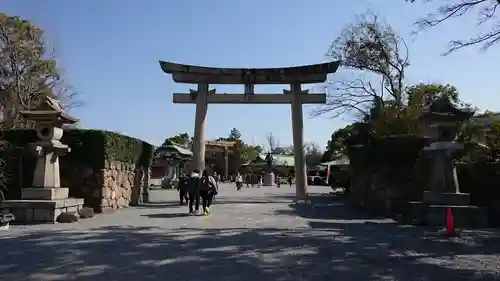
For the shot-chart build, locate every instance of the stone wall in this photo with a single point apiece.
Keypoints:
(118, 181)
(116, 186)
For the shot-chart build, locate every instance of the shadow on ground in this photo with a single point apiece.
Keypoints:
(122, 253)
(340, 244)
(222, 200)
(325, 206)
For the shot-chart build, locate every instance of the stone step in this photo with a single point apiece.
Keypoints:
(438, 198)
(44, 193)
(41, 211)
(466, 216)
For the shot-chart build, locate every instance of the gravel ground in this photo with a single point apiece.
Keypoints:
(255, 234)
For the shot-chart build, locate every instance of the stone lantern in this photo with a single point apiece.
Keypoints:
(49, 119)
(46, 199)
(442, 121)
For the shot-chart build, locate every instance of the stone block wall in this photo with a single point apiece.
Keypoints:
(118, 181)
(116, 186)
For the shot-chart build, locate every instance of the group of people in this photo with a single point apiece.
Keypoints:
(195, 186)
(257, 179)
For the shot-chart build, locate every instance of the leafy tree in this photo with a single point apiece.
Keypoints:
(492, 139)
(389, 120)
(242, 151)
(234, 134)
(335, 146)
(481, 135)
(485, 11)
(250, 152)
(422, 95)
(378, 57)
(27, 72)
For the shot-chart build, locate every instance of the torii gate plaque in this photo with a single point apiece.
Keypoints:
(295, 76)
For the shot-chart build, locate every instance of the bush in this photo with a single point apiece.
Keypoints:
(393, 150)
(91, 148)
(18, 165)
(127, 149)
(3, 172)
(340, 176)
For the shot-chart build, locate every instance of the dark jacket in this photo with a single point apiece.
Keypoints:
(183, 183)
(194, 183)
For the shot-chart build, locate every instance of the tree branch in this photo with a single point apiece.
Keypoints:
(486, 11)
(346, 96)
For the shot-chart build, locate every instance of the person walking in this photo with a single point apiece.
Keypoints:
(208, 189)
(290, 180)
(182, 188)
(252, 180)
(216, 177)
(239, 181)
(194, 192)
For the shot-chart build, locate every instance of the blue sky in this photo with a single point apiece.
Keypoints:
(111, 48)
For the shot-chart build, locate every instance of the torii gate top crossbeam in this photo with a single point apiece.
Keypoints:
(183, 73)
(221, 143)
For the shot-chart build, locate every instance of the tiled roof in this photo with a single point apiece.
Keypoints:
(170, 145)
(343, 160)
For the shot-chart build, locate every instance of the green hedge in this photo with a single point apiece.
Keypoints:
(88, 148)
(394, 150)
(127, 149)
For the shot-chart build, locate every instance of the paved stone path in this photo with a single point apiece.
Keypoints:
(254, 234)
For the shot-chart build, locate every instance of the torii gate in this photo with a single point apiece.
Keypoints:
(225, 145)
(294, 76)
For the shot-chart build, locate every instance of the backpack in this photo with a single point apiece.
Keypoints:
(205, 184)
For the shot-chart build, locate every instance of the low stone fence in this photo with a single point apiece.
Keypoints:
(116, 186)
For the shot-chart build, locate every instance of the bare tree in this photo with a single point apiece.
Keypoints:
(378, 58)
(485, 11)
(272, 142)
(313, 154)
(64, 92)
(310, 146)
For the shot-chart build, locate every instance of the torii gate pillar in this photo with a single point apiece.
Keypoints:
(298, 141)
(200, 121)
